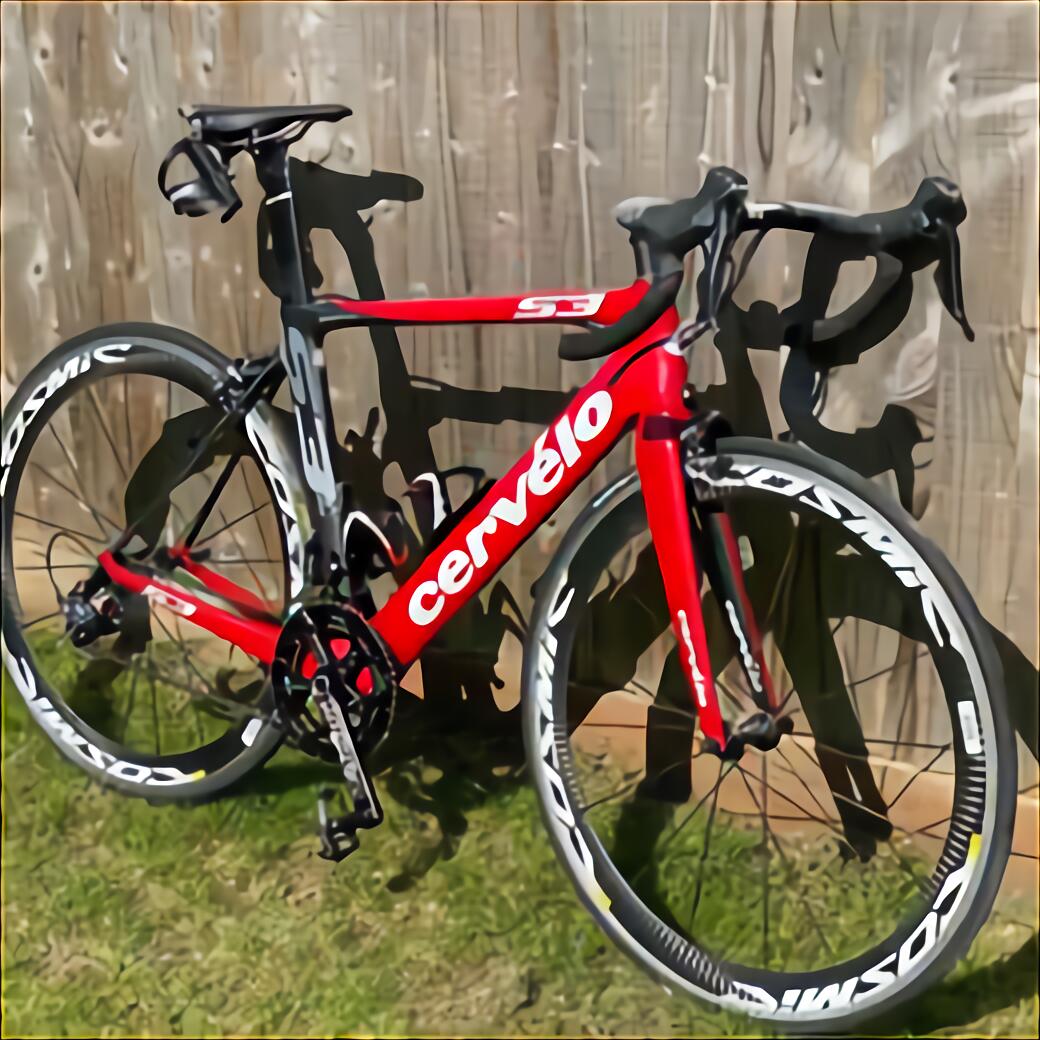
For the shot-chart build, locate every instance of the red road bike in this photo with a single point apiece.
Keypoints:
(753, 820)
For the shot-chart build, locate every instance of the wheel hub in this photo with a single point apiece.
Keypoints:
(760, 731)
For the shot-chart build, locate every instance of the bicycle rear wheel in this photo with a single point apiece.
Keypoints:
(103, 435)
(822, 882)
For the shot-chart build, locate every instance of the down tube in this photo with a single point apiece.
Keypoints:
(517, 504)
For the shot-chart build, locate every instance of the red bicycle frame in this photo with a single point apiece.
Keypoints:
(639, 386)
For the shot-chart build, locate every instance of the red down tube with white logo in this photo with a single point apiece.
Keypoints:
(639, 384)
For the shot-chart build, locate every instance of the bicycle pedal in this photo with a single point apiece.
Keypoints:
(338, 834)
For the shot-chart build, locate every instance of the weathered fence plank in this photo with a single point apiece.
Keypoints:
(526, 123)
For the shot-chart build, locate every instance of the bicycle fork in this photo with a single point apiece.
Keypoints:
(694, 538)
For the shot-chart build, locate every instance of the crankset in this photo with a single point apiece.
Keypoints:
(334, 689)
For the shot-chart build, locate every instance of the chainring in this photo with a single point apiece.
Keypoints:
(354, 650)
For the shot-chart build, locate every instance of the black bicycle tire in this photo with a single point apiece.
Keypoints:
(164, 352)
(536, 675)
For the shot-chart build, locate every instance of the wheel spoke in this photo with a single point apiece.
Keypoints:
(826, 821)
(238, 519)
(155, 711)
(798, 776)
(899, 726)
(92, 395)
(678, 829)
(243, 559)
(583, 810)
(783, 856)
(256, 509)
(923, 769)
(78, 497)
(126, 419)
(808, 754)
(887, 670)
(185, 655)
(705, 849)
(733, 698)
(624, 788)
(872, 740)
(83, 496)
(765, 865)
(634, 725)
(929, 826)
(135, 674)
(60, 527)
(36, 621)
(216, 489)
(54, 566)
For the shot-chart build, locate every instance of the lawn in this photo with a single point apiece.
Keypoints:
(122, 919)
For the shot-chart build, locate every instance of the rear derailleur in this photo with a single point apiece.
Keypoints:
(334, 689)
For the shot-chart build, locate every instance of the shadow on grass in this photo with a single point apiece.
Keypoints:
(279, 777)
(963, 999)
(440, 760)
(446, 762)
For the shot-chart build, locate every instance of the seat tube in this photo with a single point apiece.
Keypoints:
(308, 383)
(302, 355)
(659, 460)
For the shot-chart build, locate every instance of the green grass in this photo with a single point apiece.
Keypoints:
(122, 919)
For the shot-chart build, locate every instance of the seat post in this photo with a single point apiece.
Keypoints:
(272, 171)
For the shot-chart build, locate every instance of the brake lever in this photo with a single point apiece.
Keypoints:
(947, 278)
(718, 258)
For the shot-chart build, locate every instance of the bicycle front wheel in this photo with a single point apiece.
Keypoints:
(822, 882)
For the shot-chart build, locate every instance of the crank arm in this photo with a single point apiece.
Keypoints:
(361, 793)
(339, 833)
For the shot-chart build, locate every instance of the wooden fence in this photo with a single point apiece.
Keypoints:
(526, 123)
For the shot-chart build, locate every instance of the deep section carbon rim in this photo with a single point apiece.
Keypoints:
(106, 441)
(816, 880)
